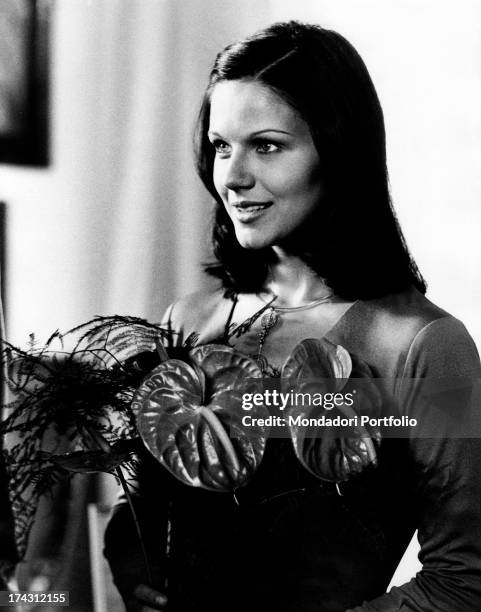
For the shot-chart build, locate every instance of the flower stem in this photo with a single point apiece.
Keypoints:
(148, 570)
(106, 448)
(168, 544)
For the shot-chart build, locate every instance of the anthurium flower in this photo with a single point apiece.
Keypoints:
(186, 410)
(331, 453)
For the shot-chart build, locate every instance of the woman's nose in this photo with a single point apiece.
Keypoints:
(238, 175)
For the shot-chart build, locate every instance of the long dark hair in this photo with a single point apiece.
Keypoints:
(355, 242)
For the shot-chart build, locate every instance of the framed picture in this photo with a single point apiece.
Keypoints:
(24, 26)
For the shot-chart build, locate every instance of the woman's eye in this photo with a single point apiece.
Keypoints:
(266, 147)
(221, 147)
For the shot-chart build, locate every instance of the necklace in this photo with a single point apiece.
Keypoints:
(272, 317)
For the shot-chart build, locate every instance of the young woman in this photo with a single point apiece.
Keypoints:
(291, 146)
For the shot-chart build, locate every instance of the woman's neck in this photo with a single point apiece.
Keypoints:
(294, 283)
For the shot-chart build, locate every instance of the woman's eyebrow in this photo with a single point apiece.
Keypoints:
(278, 131)
(253, 134)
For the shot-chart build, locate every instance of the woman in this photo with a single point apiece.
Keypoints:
(291, 145)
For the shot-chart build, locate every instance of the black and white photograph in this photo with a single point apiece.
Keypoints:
(240, 313)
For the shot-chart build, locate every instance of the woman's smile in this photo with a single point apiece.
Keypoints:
(248, 211)
(266, 168)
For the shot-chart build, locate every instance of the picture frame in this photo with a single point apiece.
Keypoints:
(24, 72)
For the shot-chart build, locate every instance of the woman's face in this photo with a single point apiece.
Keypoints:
(266, 168)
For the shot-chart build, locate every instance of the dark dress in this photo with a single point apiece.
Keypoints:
(295, 543)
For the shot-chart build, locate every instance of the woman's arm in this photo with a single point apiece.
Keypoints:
(448, 464)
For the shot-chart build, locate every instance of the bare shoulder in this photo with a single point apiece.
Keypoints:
(204, 313)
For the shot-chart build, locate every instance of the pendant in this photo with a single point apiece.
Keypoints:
(269, 320)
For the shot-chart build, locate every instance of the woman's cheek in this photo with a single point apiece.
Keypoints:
(217, 180)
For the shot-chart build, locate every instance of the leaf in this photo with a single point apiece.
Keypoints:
(96, 460)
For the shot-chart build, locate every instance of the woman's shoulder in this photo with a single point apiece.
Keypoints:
(443, 347)
(404, 316)
(407, 329)
(410, 310)
(199, 303)
(419, 319)
(204, 313)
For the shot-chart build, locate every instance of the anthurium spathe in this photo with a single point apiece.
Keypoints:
(332, 453)
(190, 417)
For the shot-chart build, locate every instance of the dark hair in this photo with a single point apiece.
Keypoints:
(355, 242)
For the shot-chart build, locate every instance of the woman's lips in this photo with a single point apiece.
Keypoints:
(248, 211)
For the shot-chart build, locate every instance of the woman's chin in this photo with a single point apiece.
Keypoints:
(252, 240)
(258, 242)
(253, 244)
